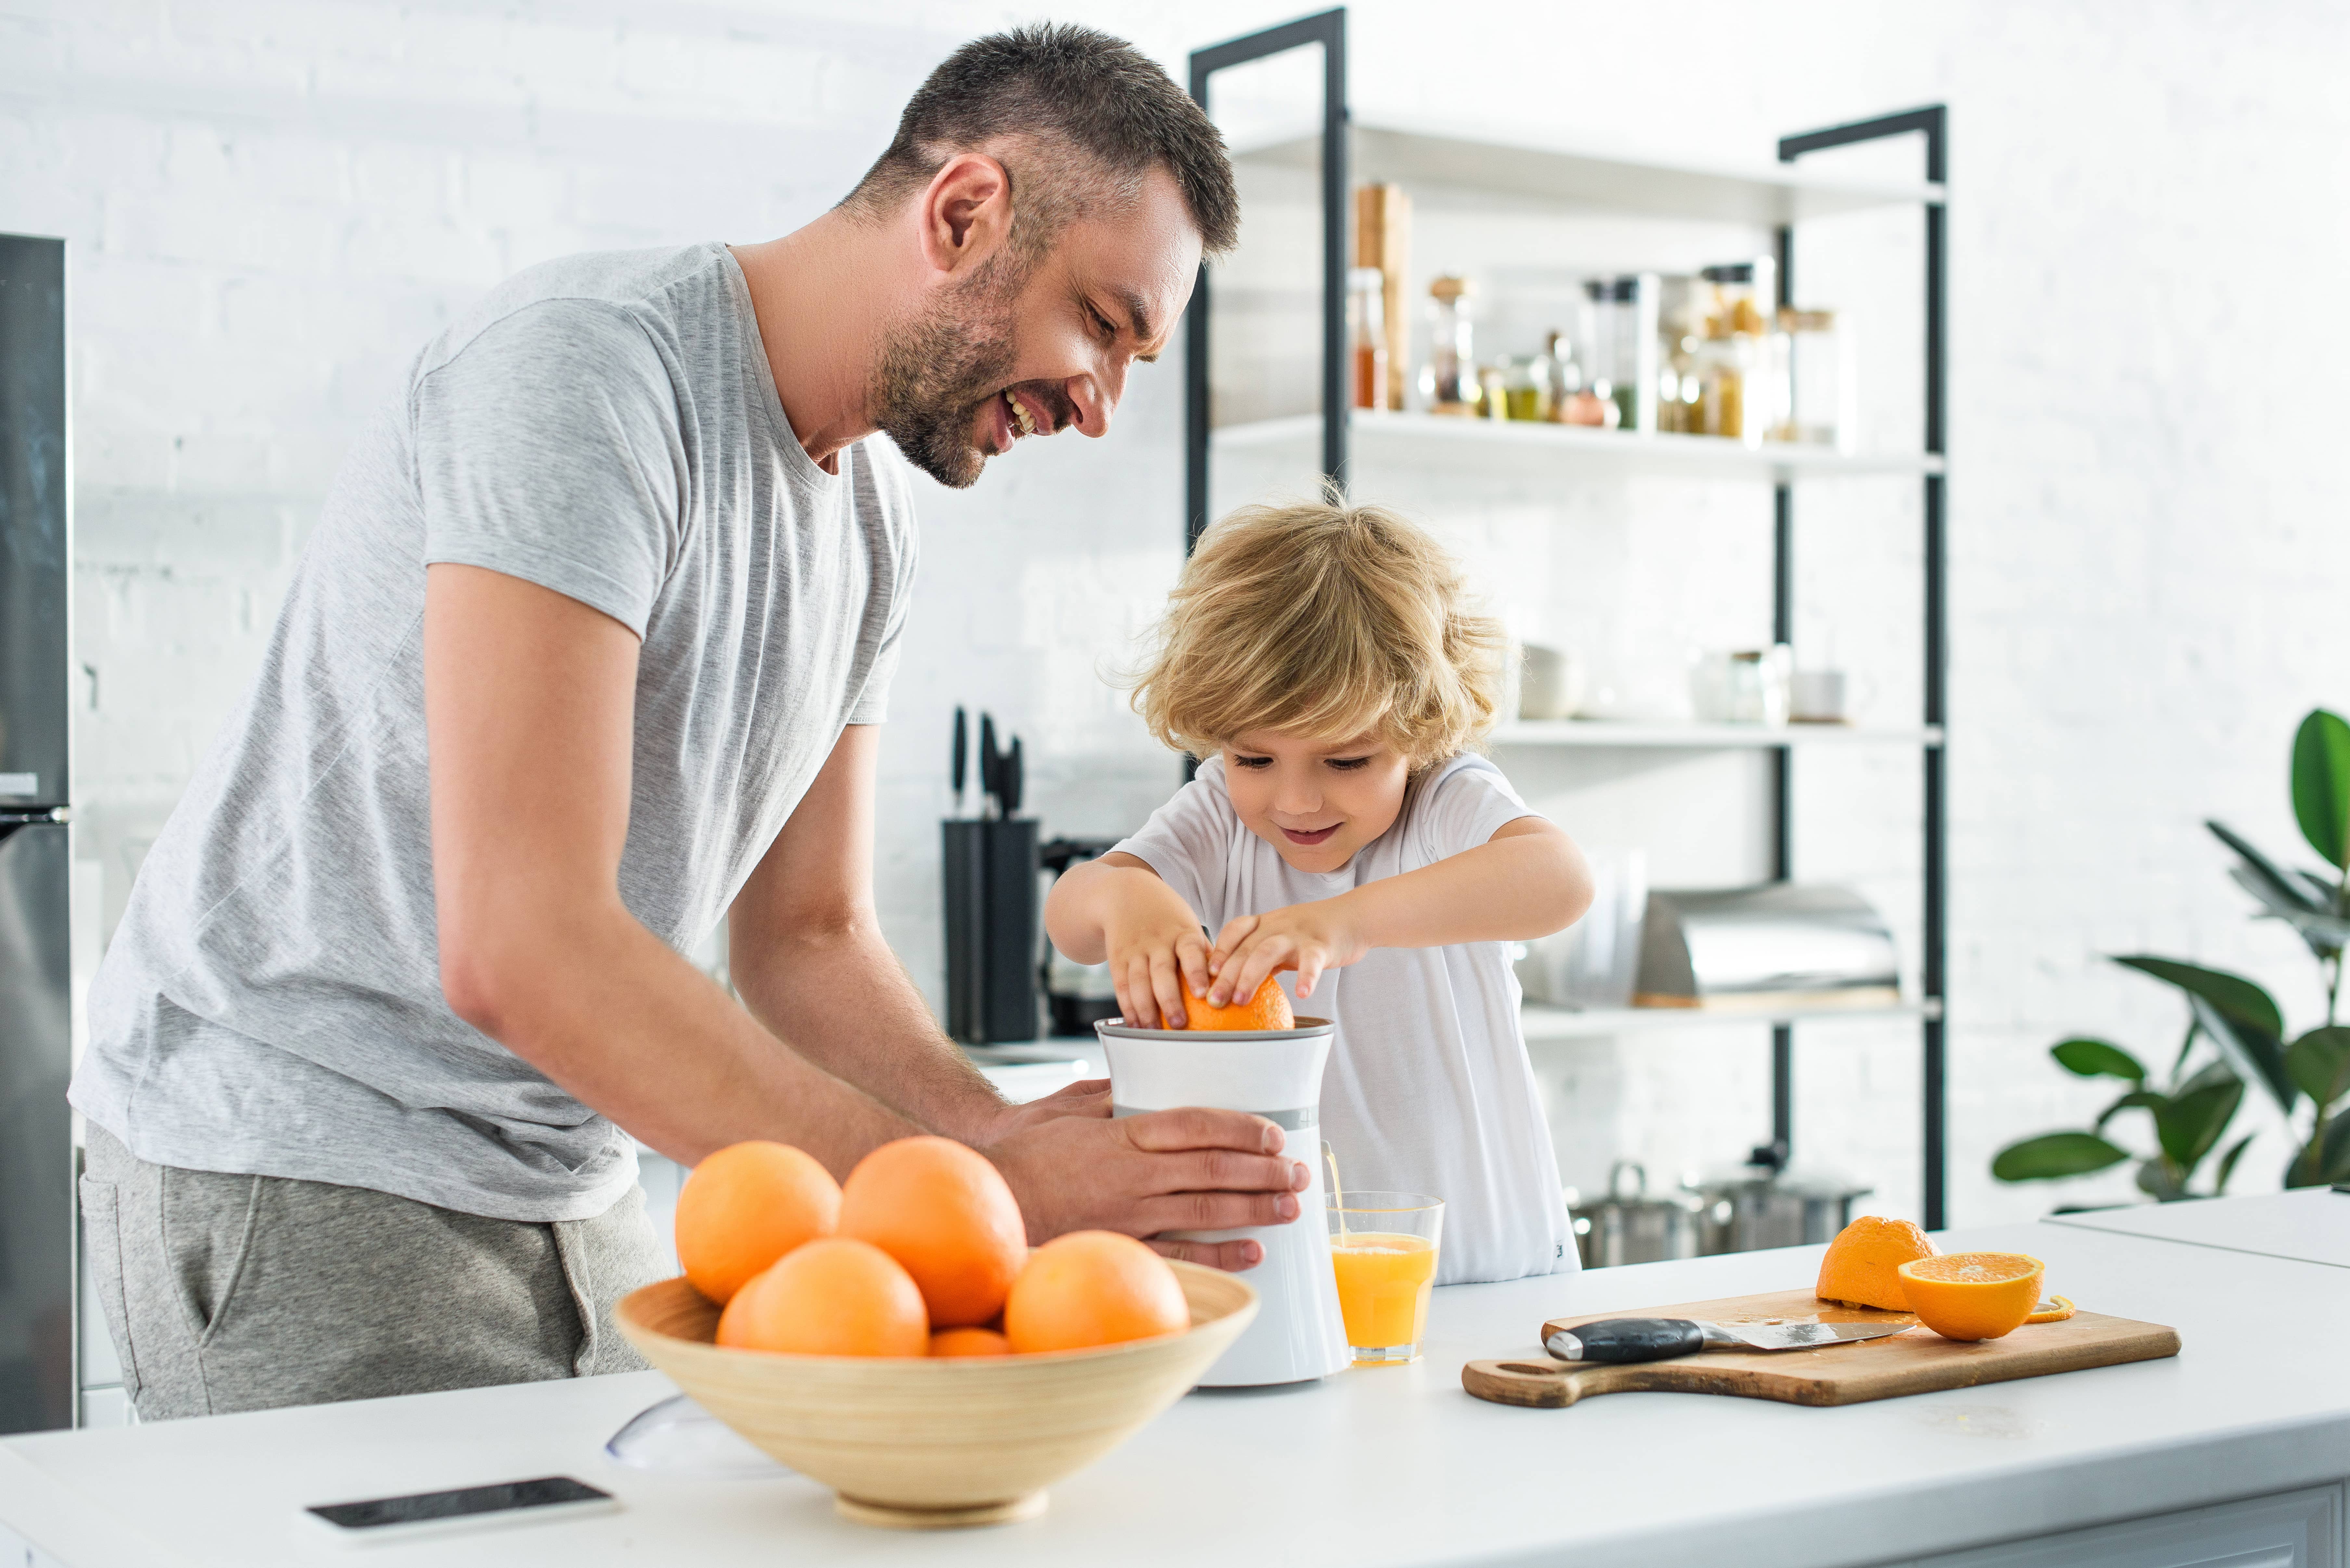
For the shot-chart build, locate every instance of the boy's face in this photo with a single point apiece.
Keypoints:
(1315, 803)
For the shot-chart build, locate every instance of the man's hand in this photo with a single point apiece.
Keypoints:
(1162, 1170)
(1307, 938)
(1085, 1097)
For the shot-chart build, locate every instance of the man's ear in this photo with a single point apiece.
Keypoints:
(966, 213)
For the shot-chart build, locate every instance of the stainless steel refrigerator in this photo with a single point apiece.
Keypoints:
(36, 1185)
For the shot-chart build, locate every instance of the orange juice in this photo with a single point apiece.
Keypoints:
(1384, 1280)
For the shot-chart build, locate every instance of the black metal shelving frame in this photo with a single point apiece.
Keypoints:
(1327, 30)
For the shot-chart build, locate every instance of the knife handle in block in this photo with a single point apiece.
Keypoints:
(1619, 1341)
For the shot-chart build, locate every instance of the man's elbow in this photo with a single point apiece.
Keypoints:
(480, 988)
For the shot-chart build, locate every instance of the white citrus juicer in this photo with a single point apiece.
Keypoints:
(1276, 1073)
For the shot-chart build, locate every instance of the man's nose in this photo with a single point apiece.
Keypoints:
(1096, 400)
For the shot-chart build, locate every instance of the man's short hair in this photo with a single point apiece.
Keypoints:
(1066, 89)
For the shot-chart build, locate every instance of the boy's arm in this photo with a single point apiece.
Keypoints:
(1528, 881)
(1116, 908)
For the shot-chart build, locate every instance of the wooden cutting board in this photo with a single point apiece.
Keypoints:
(1917, 1362)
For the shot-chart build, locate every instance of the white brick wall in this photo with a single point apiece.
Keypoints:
(271, 206)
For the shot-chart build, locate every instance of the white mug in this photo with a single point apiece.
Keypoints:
(1550, 683)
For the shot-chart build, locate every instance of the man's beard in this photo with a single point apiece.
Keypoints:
(938, 370)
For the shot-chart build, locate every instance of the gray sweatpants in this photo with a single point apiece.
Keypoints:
(242, 1293)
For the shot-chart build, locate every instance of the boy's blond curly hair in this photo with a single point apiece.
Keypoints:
(1324, 620)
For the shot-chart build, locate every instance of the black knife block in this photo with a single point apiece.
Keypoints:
(991, 935)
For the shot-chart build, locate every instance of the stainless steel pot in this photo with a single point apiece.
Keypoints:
(1628, 1225)
(1759, 1204)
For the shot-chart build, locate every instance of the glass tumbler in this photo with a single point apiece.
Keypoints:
(1384, 1248)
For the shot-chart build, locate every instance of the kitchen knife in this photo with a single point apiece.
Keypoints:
(1618, 1339)
(1015, 779)
(962, 752)
(989, 766)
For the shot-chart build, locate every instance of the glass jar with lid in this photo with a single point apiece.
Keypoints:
(1367, 338)
(1811, 363)
(1573, 402)
(1526, 387)
(1448, 383)
(1732, 357)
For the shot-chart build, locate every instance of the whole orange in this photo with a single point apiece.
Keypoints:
(1860, 1265)
(832, 1296)
(1093, 1287)
(746, 1205)
(969, 1341)
(1268, 1009)
(943, 1212)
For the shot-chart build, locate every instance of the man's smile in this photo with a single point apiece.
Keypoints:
(1018, 411)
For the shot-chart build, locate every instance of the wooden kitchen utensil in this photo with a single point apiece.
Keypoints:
(930, 1443)
(1917, 1362)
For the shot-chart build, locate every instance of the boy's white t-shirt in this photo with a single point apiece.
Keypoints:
(1428, 1088)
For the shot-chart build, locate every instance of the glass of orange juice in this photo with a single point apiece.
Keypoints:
(1383, 1246)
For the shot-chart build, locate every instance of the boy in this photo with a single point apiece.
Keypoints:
(1322, 658)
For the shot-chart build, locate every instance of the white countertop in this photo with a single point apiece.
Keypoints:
(1371, 1468)
(2311, 1224)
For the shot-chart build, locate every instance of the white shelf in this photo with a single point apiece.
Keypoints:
(1436, 439)
(1542, 1022)
(1429, 159)
(1605, 733)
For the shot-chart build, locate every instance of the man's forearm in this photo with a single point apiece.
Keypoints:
(840, 998)
(612, 1014)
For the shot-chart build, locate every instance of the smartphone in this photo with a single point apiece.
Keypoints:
(387, 1519)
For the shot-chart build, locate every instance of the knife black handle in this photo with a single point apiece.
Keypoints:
(1620, 1340)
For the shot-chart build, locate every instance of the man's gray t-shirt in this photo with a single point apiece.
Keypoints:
(605, 426)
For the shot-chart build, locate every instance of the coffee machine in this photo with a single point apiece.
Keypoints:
(1276, 1073)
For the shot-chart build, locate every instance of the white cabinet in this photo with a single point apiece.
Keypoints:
(2288, 1530)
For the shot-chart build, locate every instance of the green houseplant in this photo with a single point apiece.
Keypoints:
(2237, 1020)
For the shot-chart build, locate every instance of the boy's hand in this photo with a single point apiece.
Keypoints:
(1155, 946)
(1307, 938)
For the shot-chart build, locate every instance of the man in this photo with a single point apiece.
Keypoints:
(585, 655)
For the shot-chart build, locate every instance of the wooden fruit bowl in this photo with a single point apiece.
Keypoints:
(926, 1445)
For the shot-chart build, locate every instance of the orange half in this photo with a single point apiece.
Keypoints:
(1973, 1295)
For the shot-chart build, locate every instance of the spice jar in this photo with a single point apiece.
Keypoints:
(1448, 383)
(1573, 402)
(1525, 387)
(1366, 336)
(1812, 371)
(1731, 358)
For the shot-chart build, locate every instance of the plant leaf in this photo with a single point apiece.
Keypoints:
(2211, 1073)
(2137, 1099)
(2325, 891)
(2334, 1160)
(2232, 993)
(2321, 784)
(2228, 1163)
(2098, 1059)
(2157, 1179)
(2250, 1052)
(2054, 1155)
(2320, 1063)
(2191, 1123)
(2262, 878)
(2321, 930)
